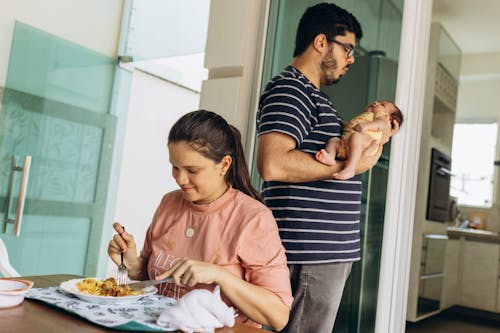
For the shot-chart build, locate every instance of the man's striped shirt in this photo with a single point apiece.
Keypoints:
(318, 221)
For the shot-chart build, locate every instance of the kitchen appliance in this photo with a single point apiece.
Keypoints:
(439, 187)
(453, 211)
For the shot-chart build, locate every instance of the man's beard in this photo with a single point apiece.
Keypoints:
(329, 65)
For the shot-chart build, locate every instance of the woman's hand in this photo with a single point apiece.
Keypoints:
(123, 242)
(187, 272)
(253, 300)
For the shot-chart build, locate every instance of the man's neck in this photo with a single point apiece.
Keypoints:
(309, 69)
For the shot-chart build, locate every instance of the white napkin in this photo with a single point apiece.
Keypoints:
(199, 310)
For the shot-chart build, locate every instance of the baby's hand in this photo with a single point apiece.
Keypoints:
(360, 127)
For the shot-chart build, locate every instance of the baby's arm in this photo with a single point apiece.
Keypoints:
(380, 123)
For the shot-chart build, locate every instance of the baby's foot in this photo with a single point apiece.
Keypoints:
(324, 157)
(344, 174)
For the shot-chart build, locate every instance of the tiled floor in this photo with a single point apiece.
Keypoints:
(443, 323)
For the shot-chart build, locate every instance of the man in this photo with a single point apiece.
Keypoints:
(318, 217)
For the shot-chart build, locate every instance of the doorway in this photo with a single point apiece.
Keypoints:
(372, 77)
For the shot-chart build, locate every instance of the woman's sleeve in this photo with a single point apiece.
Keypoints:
(147, 247)
(263, 257)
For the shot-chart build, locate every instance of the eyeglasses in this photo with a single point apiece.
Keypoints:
(349, 49)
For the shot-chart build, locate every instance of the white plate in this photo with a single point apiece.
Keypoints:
(71, 288)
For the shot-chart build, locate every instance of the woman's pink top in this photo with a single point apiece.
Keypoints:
(235, 231)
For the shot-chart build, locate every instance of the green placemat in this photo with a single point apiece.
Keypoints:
(139, 315)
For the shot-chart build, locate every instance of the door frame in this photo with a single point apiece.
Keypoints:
(403, 175)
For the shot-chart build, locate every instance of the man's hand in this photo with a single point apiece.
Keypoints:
(370, 157)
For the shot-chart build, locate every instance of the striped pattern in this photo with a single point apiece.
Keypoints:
(318, 221)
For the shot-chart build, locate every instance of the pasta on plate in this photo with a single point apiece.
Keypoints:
(107, 287)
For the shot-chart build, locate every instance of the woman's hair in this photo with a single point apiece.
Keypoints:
(211, 135)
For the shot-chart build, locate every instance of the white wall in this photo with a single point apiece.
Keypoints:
(94, 24)
(234, 56)
(145, 174)
(479, 98)
(479, 89)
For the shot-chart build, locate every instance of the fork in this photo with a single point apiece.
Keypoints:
(122, 272)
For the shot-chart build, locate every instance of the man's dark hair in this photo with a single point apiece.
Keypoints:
(324, 18)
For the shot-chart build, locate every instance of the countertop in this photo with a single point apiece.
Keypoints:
(473, 234)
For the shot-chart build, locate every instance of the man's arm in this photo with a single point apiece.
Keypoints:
(279, 160)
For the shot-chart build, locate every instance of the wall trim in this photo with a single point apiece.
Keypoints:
(403, 175)
(479, 78)
(257, 82)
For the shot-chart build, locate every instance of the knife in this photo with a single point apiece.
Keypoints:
(147, 283)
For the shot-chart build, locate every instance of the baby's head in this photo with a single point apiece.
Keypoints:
(392, 110)
(394, 113)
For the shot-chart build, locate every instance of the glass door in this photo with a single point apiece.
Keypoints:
(372, 77)
(56, 140)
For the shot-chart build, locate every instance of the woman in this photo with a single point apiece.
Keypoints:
(214, 230)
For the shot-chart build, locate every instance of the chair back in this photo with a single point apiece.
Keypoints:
(5, 267)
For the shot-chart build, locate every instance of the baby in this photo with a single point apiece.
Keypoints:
(378, 121)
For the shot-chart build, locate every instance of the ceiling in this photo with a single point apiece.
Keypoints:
(473, 24)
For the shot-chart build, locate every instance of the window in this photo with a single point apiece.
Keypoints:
(473, 155)
(166, 38)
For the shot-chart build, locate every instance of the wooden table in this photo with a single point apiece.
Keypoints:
(34, 316)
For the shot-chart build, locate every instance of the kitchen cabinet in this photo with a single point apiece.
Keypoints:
(498, 283)
(431, 273)
(451, 281)
(479, 275)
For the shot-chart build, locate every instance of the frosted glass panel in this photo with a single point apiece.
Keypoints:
(59, 70)
(47, 242)
(64, 152)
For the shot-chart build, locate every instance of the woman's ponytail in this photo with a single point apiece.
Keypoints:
(238, 175)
